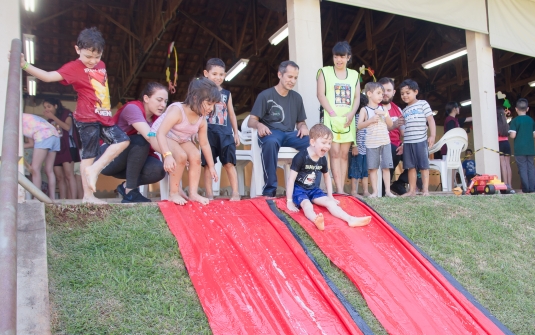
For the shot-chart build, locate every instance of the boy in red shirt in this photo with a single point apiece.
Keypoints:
(92, 117)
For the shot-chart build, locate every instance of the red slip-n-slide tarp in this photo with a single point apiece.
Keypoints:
(251, 275)
(406, 293)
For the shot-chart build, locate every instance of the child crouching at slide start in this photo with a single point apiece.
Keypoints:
(301, 189)
(174, 131)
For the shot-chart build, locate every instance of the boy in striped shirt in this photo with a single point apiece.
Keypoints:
(416, 144)
(376, 121)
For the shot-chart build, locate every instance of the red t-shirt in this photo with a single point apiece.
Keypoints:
(93, 94)
(395, 134)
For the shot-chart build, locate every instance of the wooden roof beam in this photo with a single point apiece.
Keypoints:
(222, 41)
(115, 22)
(354, 25)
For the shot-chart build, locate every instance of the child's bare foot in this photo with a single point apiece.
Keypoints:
(320, 222)
(373, 195)
(91, 178)
(210, 196)
(182, 193)
(235, 196)
(366, 194)
(409, 194)
(199, 198)
(177, 199)
(425, 194)
(355, 194)
(93, 200)
(359, 221)
(390, 195)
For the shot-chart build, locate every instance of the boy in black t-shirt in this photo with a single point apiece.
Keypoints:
(301, 187)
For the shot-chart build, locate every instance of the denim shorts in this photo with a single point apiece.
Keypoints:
(52, 144)
(92, 132)
(358, 167)
(300, 194)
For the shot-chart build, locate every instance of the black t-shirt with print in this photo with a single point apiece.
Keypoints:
(278, 112)
(308, 170)
(218, 121)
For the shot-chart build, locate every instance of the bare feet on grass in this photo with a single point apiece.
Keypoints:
(409, 194)
(359, 221)
(390, 195)
(93, 200)
(373, 195)
(177, 199)
(199, 198)
(91, 178)
(319, 221)
(366, 194)
(425, 194)
(235, 197)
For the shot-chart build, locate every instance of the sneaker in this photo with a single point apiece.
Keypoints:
(134, 196)
(120, 189)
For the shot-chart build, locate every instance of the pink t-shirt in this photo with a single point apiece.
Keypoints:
(395, 134)
(131, 114)
(37, 128)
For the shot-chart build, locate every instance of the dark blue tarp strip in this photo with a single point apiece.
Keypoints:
(366, 330)
(448, 276)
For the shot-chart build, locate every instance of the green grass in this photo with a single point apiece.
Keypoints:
(486, 242)
(117, 270)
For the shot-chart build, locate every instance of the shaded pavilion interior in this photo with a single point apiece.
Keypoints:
(138, 34)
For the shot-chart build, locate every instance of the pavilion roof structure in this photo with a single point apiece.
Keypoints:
(138, 34)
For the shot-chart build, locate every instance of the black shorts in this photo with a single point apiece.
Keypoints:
(221, 147)
(92, 132)
(416, 155)
(505, 148)
(75, 154)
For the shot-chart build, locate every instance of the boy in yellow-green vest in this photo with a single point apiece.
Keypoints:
(338, 91)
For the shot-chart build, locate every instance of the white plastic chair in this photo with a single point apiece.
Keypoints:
(284, 161)
(457, 142)
(243, 157)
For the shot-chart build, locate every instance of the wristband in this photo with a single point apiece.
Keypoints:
(331, 113)
(25, 66)
(151, 134)
(168, 153)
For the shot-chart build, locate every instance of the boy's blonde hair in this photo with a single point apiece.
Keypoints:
(372, 86)
(320, 130)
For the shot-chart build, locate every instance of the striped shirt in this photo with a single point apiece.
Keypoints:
(376, 133)
(415, 121)
(361, 137)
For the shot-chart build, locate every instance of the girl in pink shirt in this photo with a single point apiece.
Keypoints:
(44, 139)
(175, 130)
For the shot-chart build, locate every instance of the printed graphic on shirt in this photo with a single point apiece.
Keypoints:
(342, 95)
(220, 114)
(310, 178)
(99, 80)
(275, 113)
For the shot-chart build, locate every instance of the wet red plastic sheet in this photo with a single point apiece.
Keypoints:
(251, 276)
(406, 293)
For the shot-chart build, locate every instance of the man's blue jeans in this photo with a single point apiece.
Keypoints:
(526, 170)
(270, 146)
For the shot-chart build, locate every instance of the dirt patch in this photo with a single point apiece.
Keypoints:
(76, 215)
